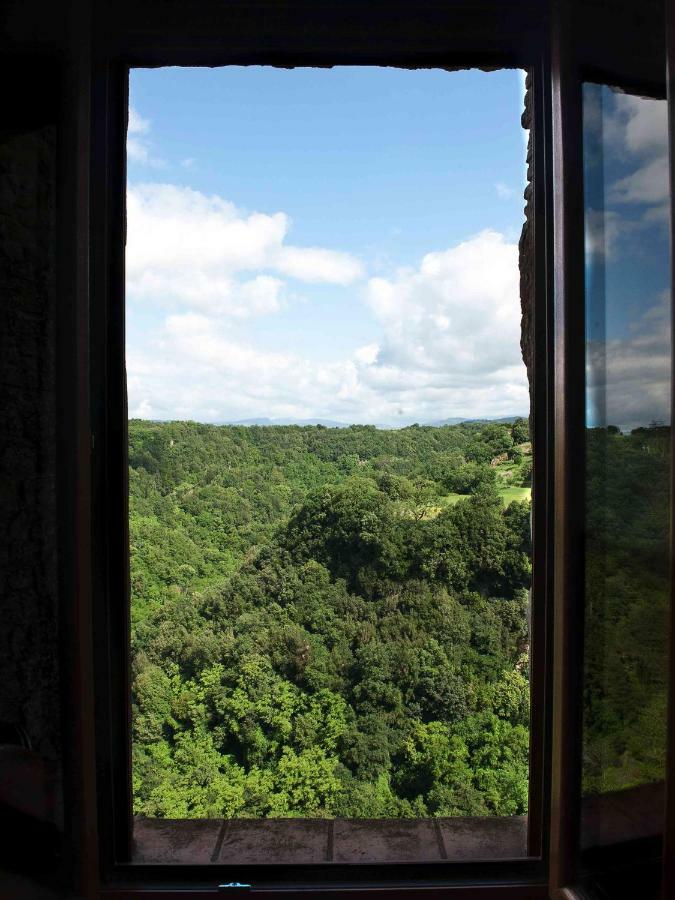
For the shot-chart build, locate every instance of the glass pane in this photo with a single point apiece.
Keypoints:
(628, 355)
(330, 465)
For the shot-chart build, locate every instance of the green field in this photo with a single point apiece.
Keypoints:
(508, 494)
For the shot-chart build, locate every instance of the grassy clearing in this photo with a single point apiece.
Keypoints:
(507, 471)
(511, 493)
(508, 494)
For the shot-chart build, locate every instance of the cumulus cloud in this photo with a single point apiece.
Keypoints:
(642, 124)
(646, 123)
(450, 333)
(626, 142)
(197, 368)
(185, 248)
(459, 312)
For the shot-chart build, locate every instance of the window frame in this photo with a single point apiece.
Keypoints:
(639, 862)
(99, 41)
(111, 619)
(636, 865)
(669, 823)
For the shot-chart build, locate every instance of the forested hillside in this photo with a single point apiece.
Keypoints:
(329, 621)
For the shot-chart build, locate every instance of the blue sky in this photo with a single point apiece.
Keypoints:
(336, 244)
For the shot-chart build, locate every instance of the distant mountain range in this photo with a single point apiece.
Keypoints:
(327, 423)
(331, 423)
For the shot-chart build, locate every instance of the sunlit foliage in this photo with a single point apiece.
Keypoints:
(329, 622)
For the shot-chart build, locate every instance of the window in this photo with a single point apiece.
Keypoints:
(425, 38)
(330, 464)
(628, 449)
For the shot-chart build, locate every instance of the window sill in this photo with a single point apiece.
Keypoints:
(307, 841)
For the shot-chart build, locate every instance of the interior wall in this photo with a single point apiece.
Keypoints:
(29, 698)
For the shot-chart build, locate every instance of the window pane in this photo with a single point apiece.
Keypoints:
(627, 464)
(330, 465)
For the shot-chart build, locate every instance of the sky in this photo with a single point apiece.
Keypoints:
(336, 244)
(627, 259)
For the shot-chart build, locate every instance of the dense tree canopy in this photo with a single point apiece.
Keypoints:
(329, 622)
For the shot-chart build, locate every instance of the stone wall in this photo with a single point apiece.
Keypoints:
(526, 249)
(29, 680)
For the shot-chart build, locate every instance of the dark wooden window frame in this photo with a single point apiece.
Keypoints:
(639, 867)
(640, 862)
(111, 559)
(93, 444)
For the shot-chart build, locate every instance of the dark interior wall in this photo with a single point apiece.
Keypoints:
(28, 559)
(611, 34)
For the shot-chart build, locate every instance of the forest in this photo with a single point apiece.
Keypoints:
(330, 621)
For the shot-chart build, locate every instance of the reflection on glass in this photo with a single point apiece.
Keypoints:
(627, 463)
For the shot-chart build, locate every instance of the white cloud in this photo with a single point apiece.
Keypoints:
(450, 333)
(312, 264)
(138, 143)
(188, 249)
(458, 313)
(137, 124)
(648, 184)
(646, 123)
(142, 411)
(628, 375)
(627, 138)
(602, 230)
(367, 354)
(637, 133)
(504, 192)
(137, 150)
(629, 378)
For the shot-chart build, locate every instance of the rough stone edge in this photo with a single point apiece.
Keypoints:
(526, 249)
